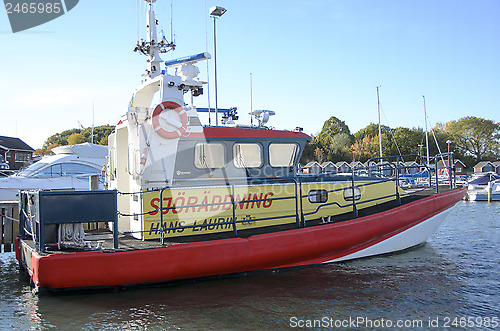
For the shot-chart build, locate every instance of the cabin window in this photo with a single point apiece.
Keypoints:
(66, 169)
(318, 196)
(209, 155)
(70, 169)
(50, 172)
(348, 193)
(282, 155)
(247, 155)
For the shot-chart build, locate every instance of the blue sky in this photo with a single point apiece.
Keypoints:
(309, 60)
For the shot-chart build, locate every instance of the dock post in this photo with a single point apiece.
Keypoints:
(9, 224)
(93, 186)
(489, 188)
(93, 182)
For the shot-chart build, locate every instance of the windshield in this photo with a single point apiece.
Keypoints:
(65, 169)
(31, 169)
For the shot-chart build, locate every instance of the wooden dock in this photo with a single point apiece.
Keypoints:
(9, 224)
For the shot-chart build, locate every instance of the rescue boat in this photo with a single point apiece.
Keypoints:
(186, 200)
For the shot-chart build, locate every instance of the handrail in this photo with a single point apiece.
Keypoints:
(428, 167)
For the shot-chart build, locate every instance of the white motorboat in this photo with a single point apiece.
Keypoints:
(483, 185)
(69, 168)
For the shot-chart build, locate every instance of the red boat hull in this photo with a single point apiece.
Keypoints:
(297, 247)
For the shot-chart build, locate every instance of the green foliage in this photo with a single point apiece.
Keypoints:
(365, 148)
(476, 137)
(76, 136)
(371, 131)
(332, 127)
(335, 139)
(408, 140)
(339, 148)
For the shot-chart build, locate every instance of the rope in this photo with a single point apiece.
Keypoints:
(9, 218)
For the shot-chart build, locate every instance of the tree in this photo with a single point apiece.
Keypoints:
(371, 130)
(368, 144)
(309, 150)
(365, 148)
(76, 136)
(332, 127)
(408, 140)
(476, 137)
(319, 154)
(339, 148)
(335, 139)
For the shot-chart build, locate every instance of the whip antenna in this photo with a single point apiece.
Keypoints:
(172, 21)
(208, 76)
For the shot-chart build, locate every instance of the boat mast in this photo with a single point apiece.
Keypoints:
(379, 129)
(251, 101)
(92, 135)
(426, 132)
(151, 47)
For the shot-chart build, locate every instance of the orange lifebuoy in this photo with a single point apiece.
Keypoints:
(156, 120)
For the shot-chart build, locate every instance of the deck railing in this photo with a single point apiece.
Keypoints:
(432, 167)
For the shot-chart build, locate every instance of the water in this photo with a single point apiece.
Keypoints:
(439, 285)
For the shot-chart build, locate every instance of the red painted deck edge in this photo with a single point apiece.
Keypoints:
(190, 260)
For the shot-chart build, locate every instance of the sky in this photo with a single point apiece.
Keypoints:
(308, 59)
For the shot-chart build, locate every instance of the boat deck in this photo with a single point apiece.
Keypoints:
(102, 239)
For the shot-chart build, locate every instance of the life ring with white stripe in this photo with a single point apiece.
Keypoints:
(181, 126)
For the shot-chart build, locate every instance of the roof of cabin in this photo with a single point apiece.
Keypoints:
(327, 163)
(14, 143)
(312, 163)
(246, 132)
(483, 163)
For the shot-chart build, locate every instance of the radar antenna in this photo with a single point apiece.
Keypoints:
(262, 116)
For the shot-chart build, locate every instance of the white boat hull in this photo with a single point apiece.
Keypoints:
(414, 236)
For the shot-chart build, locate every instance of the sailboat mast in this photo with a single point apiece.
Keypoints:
(92, 135)
(251, 101)
(379, 129)
(426, 132)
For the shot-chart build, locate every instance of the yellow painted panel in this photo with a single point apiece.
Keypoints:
(210, 209)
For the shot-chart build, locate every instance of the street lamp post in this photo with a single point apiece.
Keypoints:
(449, 158)
(216, 12)
(448, 142)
